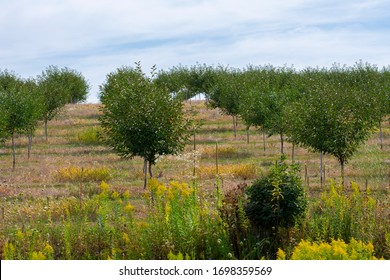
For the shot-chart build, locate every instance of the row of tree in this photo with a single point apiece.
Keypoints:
(330, 111)
(24, 103)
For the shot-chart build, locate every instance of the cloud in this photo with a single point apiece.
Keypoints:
(95, 37)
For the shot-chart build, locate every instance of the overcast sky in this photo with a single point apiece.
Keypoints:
(97, 36)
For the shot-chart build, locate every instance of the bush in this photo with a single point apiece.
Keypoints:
(277, 199)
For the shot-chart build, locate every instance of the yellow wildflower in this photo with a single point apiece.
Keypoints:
(38, 256)
(48, 250)
(19, 234)
(280, 255)
(104, 186)
(126, 195)
(129, 208)
(115, 195)
(125, 237)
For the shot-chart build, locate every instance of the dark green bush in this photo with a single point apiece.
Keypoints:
(278, 199)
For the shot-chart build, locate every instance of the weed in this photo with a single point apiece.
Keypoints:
(89, 136)
(335, 250)
(80, 174)
(244, 171)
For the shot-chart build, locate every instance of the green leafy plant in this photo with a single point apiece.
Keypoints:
(141, 118)
(277, 199)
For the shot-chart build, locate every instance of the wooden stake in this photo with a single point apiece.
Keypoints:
(216, 157)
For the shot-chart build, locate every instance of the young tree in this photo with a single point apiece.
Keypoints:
(140, 118)
(19, 107)
(58, 87)
(332, 117)
(226, 93)
(185, 82)
(34, 103)
(77, 85)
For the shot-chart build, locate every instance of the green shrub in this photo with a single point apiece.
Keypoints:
(277, 199)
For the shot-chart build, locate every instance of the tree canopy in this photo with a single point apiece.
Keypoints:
(140, 117)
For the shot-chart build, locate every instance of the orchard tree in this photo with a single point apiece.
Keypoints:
(226, 93)
(19, 108)
(76, 85)
(59, 87)
(253, 108)
(141, 118)
(278, 90)
(332, 117)
(34, 103)
(186, 82)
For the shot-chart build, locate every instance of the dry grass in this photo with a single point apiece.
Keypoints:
(71, 144)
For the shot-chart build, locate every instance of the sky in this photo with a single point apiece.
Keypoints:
(95, 37)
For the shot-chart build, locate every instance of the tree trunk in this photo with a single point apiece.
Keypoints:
(293, 153)
(281, 144)
(145, 173)
(381, 134)
(342, 171)
(321, 168)
(13, 152)
(150, 170)
(247, 135)
(29, 146)
(263, 139)
(46, 130)
(235, 127)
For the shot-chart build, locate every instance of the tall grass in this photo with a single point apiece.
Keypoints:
(348, 213)
(178, 220)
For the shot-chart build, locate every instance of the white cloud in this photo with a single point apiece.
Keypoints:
(97, 36)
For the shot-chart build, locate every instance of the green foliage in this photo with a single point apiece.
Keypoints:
(182, 221)
(335, 250)
(185, 82)
(59, 87)
(334, 116)
(140, 118)
(227, 91)
(105, 226)
(277, 199)
(20, 107)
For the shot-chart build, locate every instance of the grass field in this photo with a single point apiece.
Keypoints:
(73, 163)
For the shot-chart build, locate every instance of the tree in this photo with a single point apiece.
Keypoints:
(141, 118)
(185, 82)
(34, 103)
(226, 93)
(332, 118)
(77, 85)
(58, 87)
(19, 107)
(253, 109)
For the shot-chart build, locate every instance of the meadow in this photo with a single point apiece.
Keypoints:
(76, 199)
